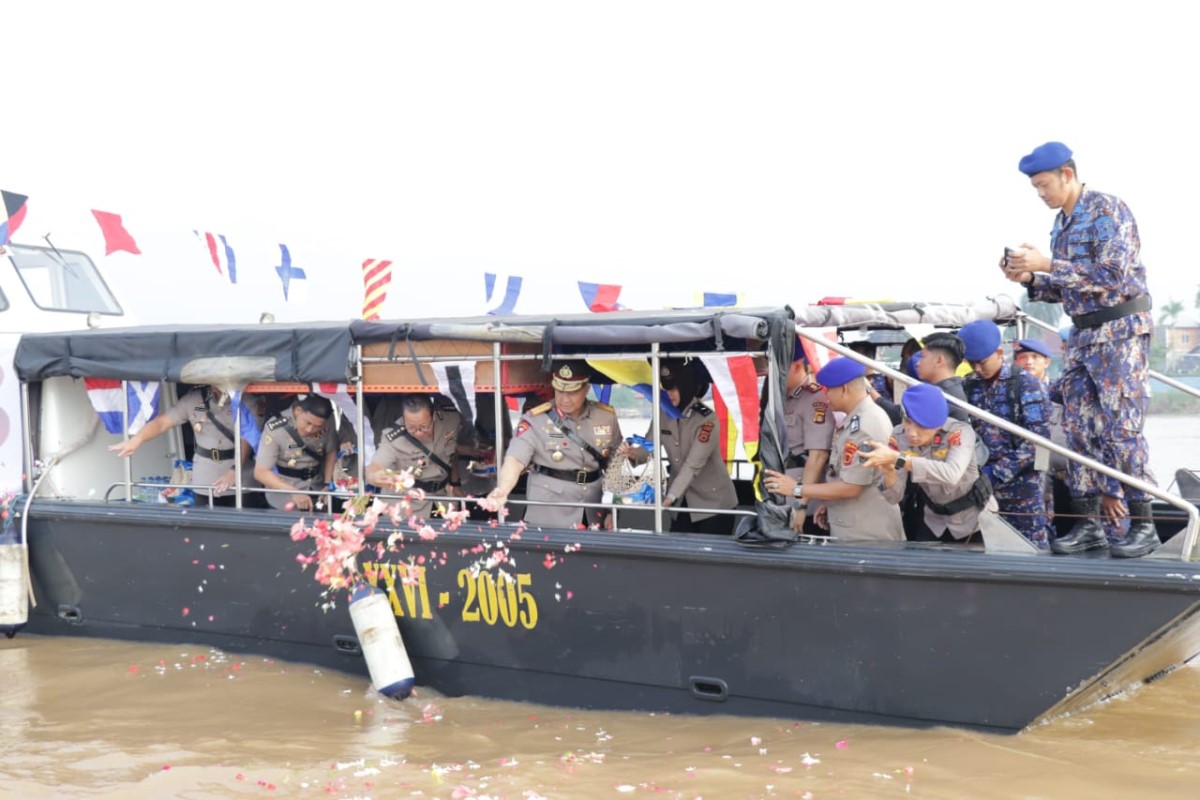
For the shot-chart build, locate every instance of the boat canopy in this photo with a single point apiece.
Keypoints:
(323, 351)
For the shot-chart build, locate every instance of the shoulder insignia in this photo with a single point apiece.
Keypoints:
(267, 438)
(955, 438)
(391, 434)
(603, 406)
(276, 423)
(942, 453)
(701, 409)
(848, 452)
(705, 432)
(852, 425)
(542, 409)
(522, 426)
(820, 409)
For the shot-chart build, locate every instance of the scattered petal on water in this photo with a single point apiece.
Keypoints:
(842, 745)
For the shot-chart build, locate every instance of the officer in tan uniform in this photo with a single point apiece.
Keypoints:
(698, 475)
(566, 443)
(298, 451)
(937, 454)
(854, 508)
(808, 421)
(209, 413)
(423, 439)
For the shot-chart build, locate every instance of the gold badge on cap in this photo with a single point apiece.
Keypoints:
(565, 372)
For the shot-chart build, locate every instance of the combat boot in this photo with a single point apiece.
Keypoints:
(1143, 536)
(1086, 533)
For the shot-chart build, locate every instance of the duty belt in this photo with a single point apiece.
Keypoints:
(1094, 319)
(579, 476)
(431, 486)
(213, 454)
(295, 472)
(977, 497)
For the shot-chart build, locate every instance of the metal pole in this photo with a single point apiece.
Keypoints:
(125, 434)
(501, 409)
(1193, 523)
(27, 430)
(237, 452)
(656, 434)
(360, 404)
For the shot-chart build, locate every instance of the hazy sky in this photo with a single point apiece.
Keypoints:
(865, 149)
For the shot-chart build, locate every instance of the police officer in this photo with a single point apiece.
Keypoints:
(854, 509)
(566, 443)
(424, 439)
(699, 479)
(937, 455)
(1095, 270)
(808, 421)
(298, 451)
(209, 413)
(1015, 395)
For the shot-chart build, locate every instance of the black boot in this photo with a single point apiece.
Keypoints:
(1086, 533)
(1143, 536)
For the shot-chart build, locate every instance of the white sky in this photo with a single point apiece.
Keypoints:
(865, 149)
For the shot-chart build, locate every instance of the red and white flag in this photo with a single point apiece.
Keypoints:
(109, 401)
(377, 274)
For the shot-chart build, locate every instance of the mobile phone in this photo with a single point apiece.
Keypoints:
(863, 449)
(1008, 251)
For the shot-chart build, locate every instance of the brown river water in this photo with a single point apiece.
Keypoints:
(85, 718)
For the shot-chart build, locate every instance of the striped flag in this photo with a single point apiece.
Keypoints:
(600, 296)
(501, 295)
(456, 380)
(377, 274)
(735, 397)
(106, 397)
(337, 394)
(12, 214)
(220, 253)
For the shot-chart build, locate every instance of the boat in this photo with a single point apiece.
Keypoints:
(759, 624)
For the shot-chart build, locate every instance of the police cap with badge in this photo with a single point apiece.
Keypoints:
(570, 376)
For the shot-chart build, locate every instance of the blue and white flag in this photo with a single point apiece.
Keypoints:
(501, 294)
(105, 395)
(247, 424)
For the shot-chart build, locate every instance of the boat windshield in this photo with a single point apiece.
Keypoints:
(62, 280)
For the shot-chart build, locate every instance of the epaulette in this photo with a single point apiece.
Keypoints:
(277, 422)
(603, 406)
(701, 409)
(542, 409)
(392, 433)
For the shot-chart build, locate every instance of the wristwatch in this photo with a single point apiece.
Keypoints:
(799, 505)
(900, 462)
(798, 492)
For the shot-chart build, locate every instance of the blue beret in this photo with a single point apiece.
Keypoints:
(1051, 155)
(798, 353)
(1032, 346)
(840, 371)
(925, 405)
(980, 338)
(910, 366)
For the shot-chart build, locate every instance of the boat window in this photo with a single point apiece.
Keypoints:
(62, 280)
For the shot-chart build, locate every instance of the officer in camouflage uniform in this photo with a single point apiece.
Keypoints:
(209, 413)
(566, 443)
(1095, 271)
(698, 475)
(937, 455)
(1015, 395)
(423, 439)
(298, 451)
(1033, 356)
(854, 509)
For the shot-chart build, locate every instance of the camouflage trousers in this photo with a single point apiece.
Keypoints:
(1105, 396)
(1023, 505)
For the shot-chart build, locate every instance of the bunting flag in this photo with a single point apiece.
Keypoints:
(456, 380)
(377, 274)
(286, 272)
(735, 397)
(115, 236)
(719, 299)
(220, 253)
(638, 376)
(500, 303)
(600, 296)
(817, 355)
(12, 214)
(247, 425)
(337, 394)
(105, 396)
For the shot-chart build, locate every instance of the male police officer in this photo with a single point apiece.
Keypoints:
(423, 439)
(937, 363)
(298, 451)
(808, 421)
(567, 444)
(1096, 272)
(937, 455)
(854, 509)
(1015, 395)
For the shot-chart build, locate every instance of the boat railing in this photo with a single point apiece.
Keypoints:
(1188, 535)
(1158, 376)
